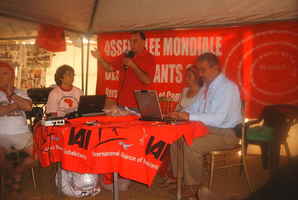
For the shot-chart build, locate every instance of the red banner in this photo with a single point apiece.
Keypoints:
(262, 59)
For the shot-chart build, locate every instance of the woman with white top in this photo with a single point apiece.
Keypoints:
(189, 93)
(64, 98)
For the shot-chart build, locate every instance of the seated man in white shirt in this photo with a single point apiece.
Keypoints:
(14, 131)
(218, 106)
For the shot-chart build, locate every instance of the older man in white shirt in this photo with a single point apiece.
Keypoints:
(14, 131)
(218, 106)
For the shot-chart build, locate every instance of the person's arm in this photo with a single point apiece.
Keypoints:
(142, 75)
(181, 97)
(22, 103)
(141, 72)
(8, 108)
(183, 114)
(178, 107)
(106, 65)
(109, 103)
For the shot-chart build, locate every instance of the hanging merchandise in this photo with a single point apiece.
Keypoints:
(29, 60)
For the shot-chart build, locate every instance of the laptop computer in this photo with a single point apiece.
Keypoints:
(91, 105)
(149, 106)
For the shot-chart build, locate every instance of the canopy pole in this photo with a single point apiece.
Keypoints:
(82, 63)
(92, 15)
(87, 64)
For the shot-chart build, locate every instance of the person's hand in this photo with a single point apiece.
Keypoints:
(128, 62)
(9, 93)
(172, 115)
(95, 54)
(22, 103)
(183, 115)
(178, 115)
(17, 101)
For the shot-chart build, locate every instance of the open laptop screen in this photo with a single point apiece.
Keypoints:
(91, 104)
(148, 104)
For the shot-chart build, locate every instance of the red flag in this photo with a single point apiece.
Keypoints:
(51, 38)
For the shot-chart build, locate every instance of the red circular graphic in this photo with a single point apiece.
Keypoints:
(267, 66)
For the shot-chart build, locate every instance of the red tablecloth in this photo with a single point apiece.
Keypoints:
(104, 144)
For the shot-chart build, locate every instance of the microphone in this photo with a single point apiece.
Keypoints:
(128, 54)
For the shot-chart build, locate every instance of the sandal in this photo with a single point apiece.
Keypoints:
(168, 183)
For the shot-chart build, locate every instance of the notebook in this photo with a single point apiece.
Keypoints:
(149, 106)
(91, 105)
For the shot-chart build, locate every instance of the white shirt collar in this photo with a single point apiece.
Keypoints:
(217, 81)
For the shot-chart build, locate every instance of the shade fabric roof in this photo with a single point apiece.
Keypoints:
(97, 16)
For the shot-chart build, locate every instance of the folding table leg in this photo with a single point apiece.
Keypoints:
(115, 186)
(179, 168)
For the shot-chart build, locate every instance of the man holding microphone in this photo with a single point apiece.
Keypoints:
(136, 67)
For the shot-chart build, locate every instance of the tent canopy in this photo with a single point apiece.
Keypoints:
(97, 16)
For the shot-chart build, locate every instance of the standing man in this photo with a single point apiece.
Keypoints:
(218, 106)
(137, 69)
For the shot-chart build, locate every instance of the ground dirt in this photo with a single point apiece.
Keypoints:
(226, 182)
